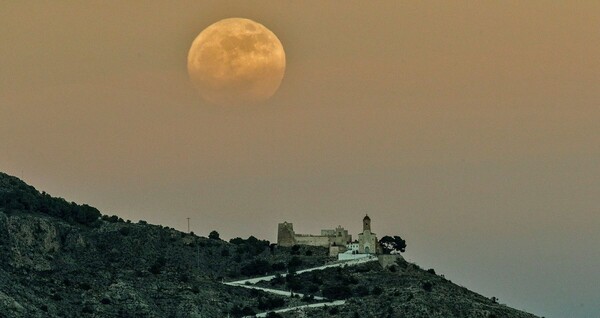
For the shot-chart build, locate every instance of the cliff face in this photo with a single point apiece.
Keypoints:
(32, 242)
(52, 268)
(60, 259)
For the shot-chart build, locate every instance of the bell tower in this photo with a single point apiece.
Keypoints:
(367, 223)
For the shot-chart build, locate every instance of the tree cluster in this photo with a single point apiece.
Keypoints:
(18, 196)
(392, 245)
(251, 245)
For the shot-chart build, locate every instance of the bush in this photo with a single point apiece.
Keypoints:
(268, 303)
(427, 286)
(295, 249)
(214, 235)
(236, 241)
(431, 271)
(315, 278)
(278, 280)
(337, 292)
(361, 291)
(313, 288)
(294, 263)
(184, 278)
(87, 309)
(293, 282)
(124, 231)
(155, 269)
(278, 266)
(158, 265)
(256, 267)
(252, 245)
(377, 291)
(238, 311)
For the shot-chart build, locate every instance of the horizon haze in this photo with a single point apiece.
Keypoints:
(468, 128)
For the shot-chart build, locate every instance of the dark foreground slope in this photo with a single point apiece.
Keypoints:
(60, 259)
(400, 290)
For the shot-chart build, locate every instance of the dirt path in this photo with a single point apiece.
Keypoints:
(248, 283)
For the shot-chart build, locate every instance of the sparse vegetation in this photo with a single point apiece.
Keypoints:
(111, 268)
(256, 267)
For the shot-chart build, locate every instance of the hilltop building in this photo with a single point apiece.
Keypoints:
(287, 237)
(338, 241)
(367, 240)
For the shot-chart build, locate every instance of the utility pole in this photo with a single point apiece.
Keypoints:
(188, 225)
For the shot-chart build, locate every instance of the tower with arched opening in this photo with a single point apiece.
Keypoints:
(367, 240)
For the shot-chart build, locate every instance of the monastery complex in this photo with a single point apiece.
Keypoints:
(338, 241)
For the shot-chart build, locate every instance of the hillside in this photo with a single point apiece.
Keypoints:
(61, 259)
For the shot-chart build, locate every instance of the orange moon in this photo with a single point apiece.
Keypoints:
(236, 61)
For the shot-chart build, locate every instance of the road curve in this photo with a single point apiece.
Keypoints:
(318, 268)
(247, 283)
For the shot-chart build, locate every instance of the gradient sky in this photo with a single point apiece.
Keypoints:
(469, 128)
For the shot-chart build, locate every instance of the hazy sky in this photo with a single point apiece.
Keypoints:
(471, 129)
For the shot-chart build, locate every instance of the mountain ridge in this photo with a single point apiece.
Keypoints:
(63, 259)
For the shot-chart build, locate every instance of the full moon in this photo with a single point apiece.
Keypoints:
(236, 61)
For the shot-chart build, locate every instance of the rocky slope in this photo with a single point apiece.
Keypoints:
(60, 259)
(400, 290)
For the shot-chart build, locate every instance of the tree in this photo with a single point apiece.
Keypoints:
(392, 245)
(214, 235)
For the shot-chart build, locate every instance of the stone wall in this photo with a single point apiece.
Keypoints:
(312, 240)
(389, 260)
(348, 257)
(285, 234)
(287, 237)
(334, 250)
